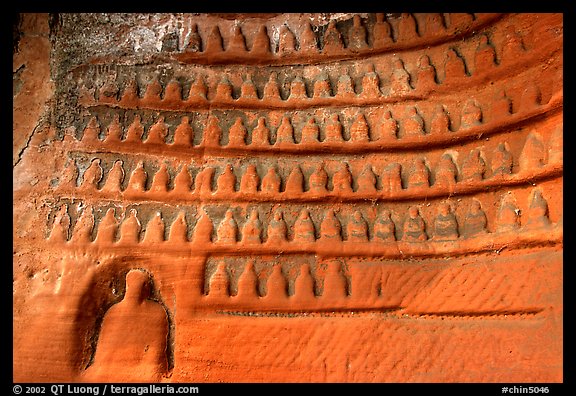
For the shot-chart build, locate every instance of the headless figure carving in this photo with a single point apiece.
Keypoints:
(133, 338)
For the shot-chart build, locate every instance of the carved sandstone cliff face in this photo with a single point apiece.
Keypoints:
(288, 198)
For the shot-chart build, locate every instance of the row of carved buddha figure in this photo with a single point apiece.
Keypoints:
(381, 34)
(395, 82)
(320, 179)
(251, 279)
(334, 130)
(323, 225)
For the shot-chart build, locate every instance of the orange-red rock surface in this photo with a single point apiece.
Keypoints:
(288, 198)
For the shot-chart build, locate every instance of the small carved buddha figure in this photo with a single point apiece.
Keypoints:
(158, 132)
(446, 173)
(445, 224)
(198, 90)
(137, 326)
(194, 40)
(179, 229)
(330, 228)
(298, 89)
(82, 232)
(114, 132)
(318, 180)
(115, 177)
(382, 32)
(322, 87)
(271, 182)
(223, 90)
(367, 180)
(440, 122)
(308, 40)
(454, 67)
(203, 182)
(261, 43)
(271, 88)
(426, 74)
(261, 134)
(61, 225)
(384, 228)
(276, 285)
(130, 228)
(285, 132)
(414, 227)
(332, 38)
(485, 56)
(226, 181)
(153, 92)
(92, 131)
(183, 135)
(538, 211)
(345, 87)
(277, 229)
(400, 79)
(212, 133)
(471, 114)
(501, 161)
(69, 175)
(161, 179)
(501, 106)
(310, 131)
(434, 24)
(413, 124)
(371, 84)
(333, 129)
(155, 229)
(92, 175)
(220, 282)
(513, 48)
(295, 182)
(137, 182)
(508, 218)
(238, 42)
(359, 130)
(357, 34)
(473, 167)
(248, 282)
(183, 181)
(252, 229)
(107, 228)
(203, 229)
(419, 175)
(237, 134)
(250, 180)
(214, 41)
(342, 180)
(130, 94)
(248, 90)
(357, 228)
(533, 153)
(392, 178)
(286, 41)
(304, 228)
(228, 229)
(475, 221)
(388, 128)
(407, 28)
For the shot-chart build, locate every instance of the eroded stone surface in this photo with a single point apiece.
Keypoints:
(288, 197)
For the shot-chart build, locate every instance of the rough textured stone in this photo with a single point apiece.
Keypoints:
(288, 197)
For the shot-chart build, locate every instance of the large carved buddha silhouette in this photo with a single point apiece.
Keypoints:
(133, 337)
